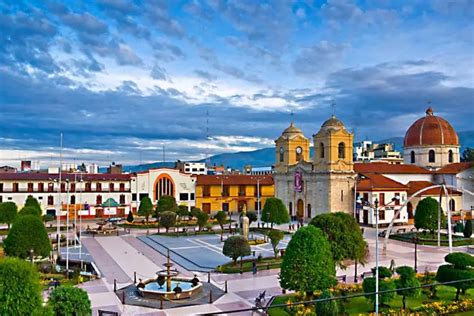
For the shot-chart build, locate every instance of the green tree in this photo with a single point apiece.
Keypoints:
(166, 203)
(426, 215)
(407, 280)
(467, 155)
(275, 212)
(32, 202)
(202, 218)
(307, 265)
(460, 267)
(221, 218)
(130, 217)
(252, 217)
(344, 236)
(327, 308)
(467, 232)
(68, 300)
(275, 237)
(146, 208)
(168, 219)
(8, 213)
(20, 290)
(385, 284)
(195, 211)
(183, 211)
(47, 218)
(29, 210)
(27, 233)
(235, 247)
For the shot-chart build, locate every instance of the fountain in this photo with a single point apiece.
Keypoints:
(176, 288)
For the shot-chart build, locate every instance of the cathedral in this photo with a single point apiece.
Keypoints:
(325, 183)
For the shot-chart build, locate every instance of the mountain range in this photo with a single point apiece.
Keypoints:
(266, 156)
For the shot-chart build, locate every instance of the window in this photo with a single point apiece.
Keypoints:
(241, 190)
(299, 153)
(1, 198)
(309, 210)
(122, 187)
(241, 205)
(255, 191)
(290, 208)
(431, 156)
(122, 199)
(15, 187)
(206, 190)
(282, 154)
(321, 150)
(452, 205)
(225, 207)
(88, 187)
(30, 187)
(206, 207)
(258, 205)
(73, 199)
(1, 187)
(450, 156)
(225, 190)
(111, 187)
(134, 196)
(366, 197)
(72, 187)
(342, 196)
(50, 187)
(98, 187)
(381, 199)
(40, 187)
(191, 197)
(142, 195)
(412, 157)
(183, 196)
(63, 187)
(341, 149)
(397, 198)
(98, 200)
(381, 215)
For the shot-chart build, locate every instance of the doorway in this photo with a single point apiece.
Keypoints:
(300, 208)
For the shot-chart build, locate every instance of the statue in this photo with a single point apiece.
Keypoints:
(245, 223)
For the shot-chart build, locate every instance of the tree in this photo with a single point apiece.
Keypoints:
(27, 233)
(32, 202)
(344, 236)
(407, 280)
(68, 300)
(195, 211)
(166, 203)
(385, 284)
(468, 229)
(426, 215)
(307, 265)
(29, 210)
(47, 218)
(467, 154)
(235, 247)
(20, 290)
(327, 308)
(460, 267)
(202, 218)
(168, 219)
(146, 208)
(8, 213)
(275, 237)
(130, 217)
(252, 217)
(221, 218)
(182, 211)
(275, 212)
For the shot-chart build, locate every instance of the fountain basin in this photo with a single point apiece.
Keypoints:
(153, 290)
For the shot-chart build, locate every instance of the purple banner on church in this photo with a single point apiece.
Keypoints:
(298, 182)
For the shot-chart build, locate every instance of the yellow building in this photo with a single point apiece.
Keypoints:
(231, 193)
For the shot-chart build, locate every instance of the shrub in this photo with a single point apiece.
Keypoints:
(202, 218)
(368, 285)
(275, 212)
(166, 203)
(235, 247)
(145, 208)
(275, 237)
(28, 210)
(183, 211)
(460, 268)
(168, 219)
(329, 308)
(426, 215)
(130, 217)
(195, 211)
(20, 291)
(467, 232)
(8, 213)
(68, 300)
(32, 202)
(27, 233)
(407, 280)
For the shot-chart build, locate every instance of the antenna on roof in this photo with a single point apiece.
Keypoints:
(333, 108)
(292, 115)
(208, 139)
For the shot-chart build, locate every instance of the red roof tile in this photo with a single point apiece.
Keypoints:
(233, 179)
(376, 182)
(382, 167)
(415, 186)
(43, 176)
(455, 168)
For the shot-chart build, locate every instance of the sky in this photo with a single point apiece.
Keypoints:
(121, 79)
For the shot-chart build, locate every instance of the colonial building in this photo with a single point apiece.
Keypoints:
(155, 183)
(84, 194)
(231, 193)
(325, 183)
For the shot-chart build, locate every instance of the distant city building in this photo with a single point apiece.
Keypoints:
(191, 167)
(114, 169)
(25, 165)
(249, 170)
(7, 169)
(368, 151)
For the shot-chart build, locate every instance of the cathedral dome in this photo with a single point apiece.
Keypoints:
(292, 130)
(431, 130)
(333, 122)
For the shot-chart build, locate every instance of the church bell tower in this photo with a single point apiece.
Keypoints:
(291, 147)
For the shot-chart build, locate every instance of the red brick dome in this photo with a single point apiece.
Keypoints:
(431, 130)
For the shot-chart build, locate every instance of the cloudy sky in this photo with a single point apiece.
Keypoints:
(122, 78)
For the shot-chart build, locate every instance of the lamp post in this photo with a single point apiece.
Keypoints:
(80, 218)
(258, 199)
(67, 228)
(31, 256)
(415, 241)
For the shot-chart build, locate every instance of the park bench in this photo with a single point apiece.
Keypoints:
(342, 278)
(401, 230)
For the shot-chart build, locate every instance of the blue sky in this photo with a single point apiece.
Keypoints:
(122, 78)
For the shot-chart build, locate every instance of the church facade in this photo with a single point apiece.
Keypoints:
(310, 186)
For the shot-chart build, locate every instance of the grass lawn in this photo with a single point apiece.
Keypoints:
(425, 238)
(46, 278)
(360, 305)
(264, 264)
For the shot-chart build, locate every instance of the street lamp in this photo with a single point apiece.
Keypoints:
(67, 228)
(258, 198)
(415, 241)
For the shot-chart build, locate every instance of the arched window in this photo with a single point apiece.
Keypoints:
(341, 149)
(299, 153)
(309, 210)
(291, 208)
(412, 157)
(321, 152)
(73, 199)
(431, 156)
(452, 205)
(282, 154)
(98, 200)
(450, 156)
